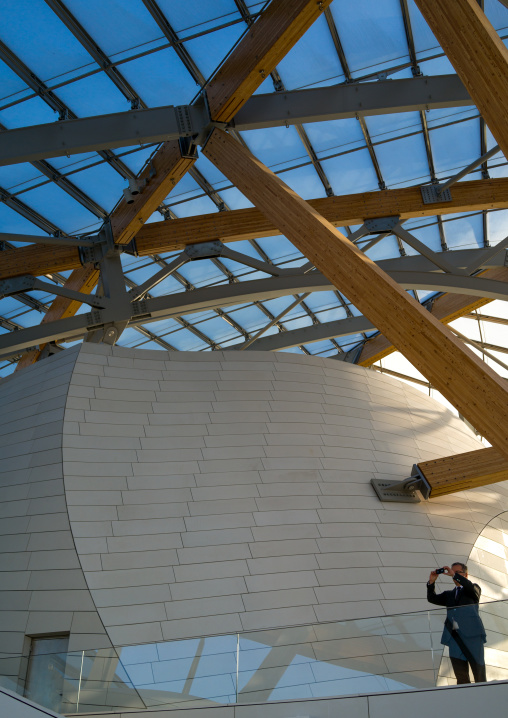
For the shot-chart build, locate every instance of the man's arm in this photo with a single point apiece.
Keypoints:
(432, 596)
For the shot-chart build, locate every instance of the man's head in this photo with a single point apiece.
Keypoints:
(460, 568)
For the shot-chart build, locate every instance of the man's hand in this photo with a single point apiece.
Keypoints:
(433, 576)
(448, 571)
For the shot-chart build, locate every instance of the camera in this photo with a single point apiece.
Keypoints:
(440, 570)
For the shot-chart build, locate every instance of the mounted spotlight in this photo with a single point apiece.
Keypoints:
(136, 186)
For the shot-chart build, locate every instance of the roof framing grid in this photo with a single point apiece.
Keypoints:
(265, 43)
(241, 224)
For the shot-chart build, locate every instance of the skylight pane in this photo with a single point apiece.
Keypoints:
(160, 79)
(101, 183)
(497, 223)
(29, 112)
(115, 25)
(204, 16)
(351, 173)
(17, 177)
(27, 27)
(335, 136)
(465, 233)
(61, 209)
(208, 55)
(12, 87)
(11, 221)
(403, 162)
(372, 33)
(95, 95)
(235, 199)
(277, 148)
(312, 60)
(455, 147)
(305, 182)
(423, 37)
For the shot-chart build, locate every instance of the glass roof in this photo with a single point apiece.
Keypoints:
(48, 72)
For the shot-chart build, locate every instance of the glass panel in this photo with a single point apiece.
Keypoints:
(369, 655)
(46, 671)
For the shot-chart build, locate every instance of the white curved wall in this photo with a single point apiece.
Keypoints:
(42, 587)
(211, 493)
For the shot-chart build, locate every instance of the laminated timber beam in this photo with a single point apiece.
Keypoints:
(162, 174)
(239, 224)
(266, 43)
(471, 386)
(464, 471)
(478, 55)
(446, 308)
(350, 209)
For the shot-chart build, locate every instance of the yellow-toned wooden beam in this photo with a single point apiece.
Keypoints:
(464, 471)
(477, 54)
(469, 384)
(165, 170)
(81, 280)
(266, 43)
(446, 308)
(349, 209)
(38, 260)
(251, 224)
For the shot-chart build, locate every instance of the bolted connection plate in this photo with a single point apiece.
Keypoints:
(382, 489)
(431, 194)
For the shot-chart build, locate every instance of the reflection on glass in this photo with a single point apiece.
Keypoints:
(46, 671)
(388, 653)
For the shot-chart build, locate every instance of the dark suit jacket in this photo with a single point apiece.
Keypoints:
(464, 609)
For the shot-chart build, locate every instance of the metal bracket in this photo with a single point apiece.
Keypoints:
(188, 148)
(406, 491)
(94, 253)
(15, 285)
(204, 250)
(432, 194)
(94, 318)
(352, 356)
(380, 225)
(140, 310)
(184, 120)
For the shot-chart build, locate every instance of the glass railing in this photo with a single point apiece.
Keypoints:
(363, 656)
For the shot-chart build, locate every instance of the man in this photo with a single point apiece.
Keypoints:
(463, 632)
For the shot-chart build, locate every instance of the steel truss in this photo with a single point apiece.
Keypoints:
(119, 307)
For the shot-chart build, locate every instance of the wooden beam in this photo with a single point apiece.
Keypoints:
(250, 223)
(477, 54)
(266, 43)
(38, 260)
(82, 280)
(464, 471)
(165, 170)
(469, 384)
(242, 224)
(446, 308)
